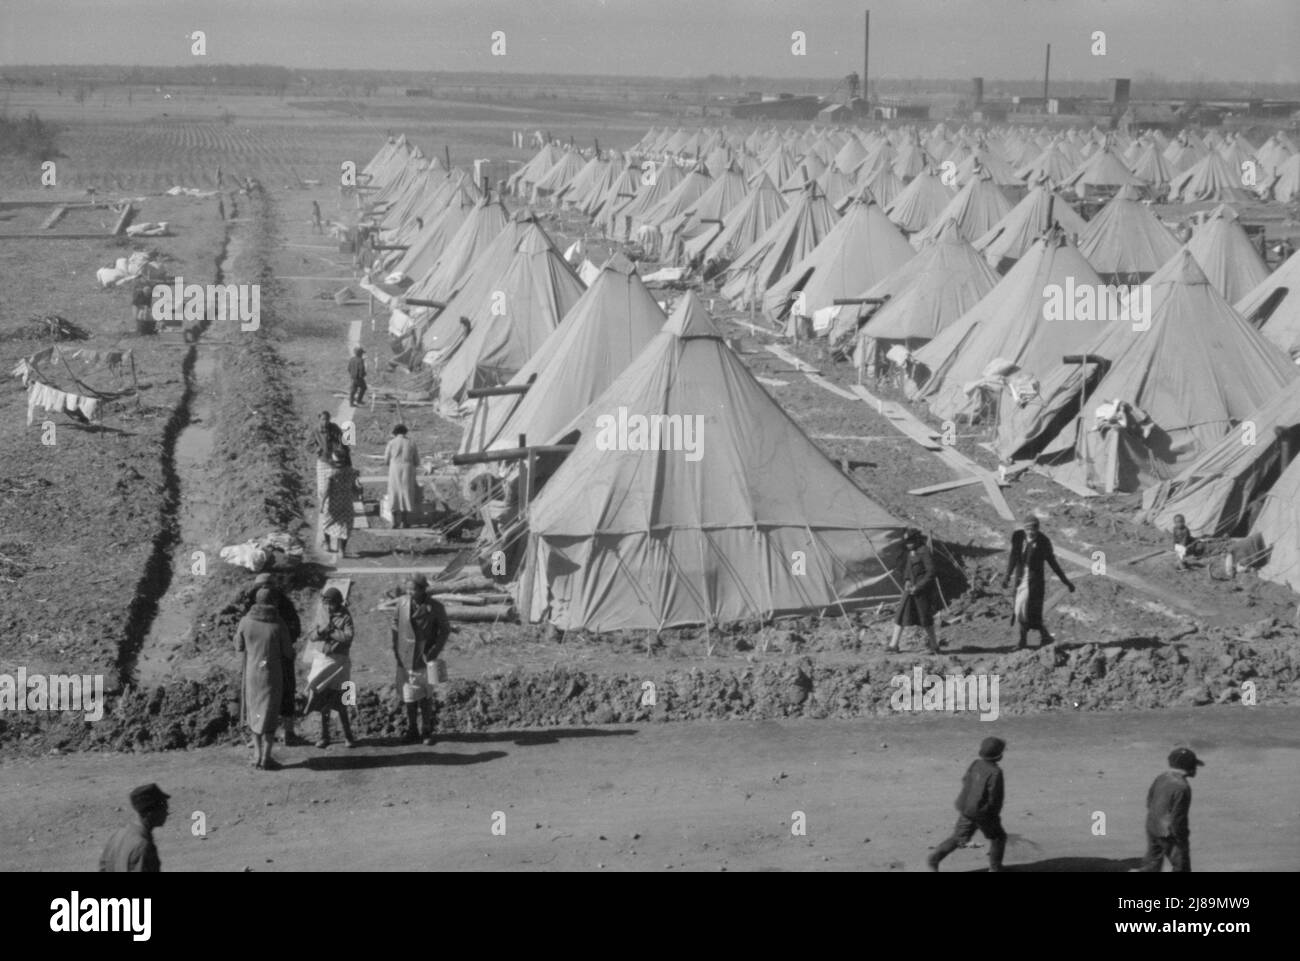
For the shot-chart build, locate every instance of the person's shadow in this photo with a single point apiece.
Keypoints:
(1074, 866)
(361, 762)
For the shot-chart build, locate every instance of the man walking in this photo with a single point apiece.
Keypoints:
(979, 806)
(420, 631)
(357, 376)
(1030, 551)
(131, 849)
(1168, 802)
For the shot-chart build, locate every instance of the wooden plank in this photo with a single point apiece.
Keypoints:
(334, 279)
(429, 572)
(833, 388)
(123, 221)
(1147, 556)
(790, 358)
(946, 486)
(1137, 583)
(360, 519)
(55, 216)
(766, 331)
(995, 497)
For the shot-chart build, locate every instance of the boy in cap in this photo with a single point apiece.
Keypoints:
(131, 849)
(979, 806)
(357, 376)
(1168, 804)
(420, 631)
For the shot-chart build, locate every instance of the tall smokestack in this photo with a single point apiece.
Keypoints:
(866, 53)
(1047, 73)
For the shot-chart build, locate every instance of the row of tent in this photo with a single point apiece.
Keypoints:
(948, 305)
(754, 521)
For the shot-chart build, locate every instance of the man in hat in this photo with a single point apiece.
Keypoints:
(1168, 804)
(1030, 551)
(289, 615)
(131, 848)
(357, 376)
(915, 572)
(420, 631)
(979, 806)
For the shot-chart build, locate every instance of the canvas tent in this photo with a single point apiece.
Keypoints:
(976, 208)
(926, 295)
(1008, 239)
(1279, 528)
(860, 249)
(1126, 242)
(1195, 372)
(509, 324)
(761, 523)
(1227, 256)
(920, 203)
(609, 325)
(1217, 492)
(1010, 325)
(741, 227)
(1273, 306)
(795, 234)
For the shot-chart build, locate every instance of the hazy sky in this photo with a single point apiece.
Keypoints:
(1181, 39)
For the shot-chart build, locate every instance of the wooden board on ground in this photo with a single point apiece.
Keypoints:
(429, 572)
(946, 486)
(1138, 583)
(1146, 557)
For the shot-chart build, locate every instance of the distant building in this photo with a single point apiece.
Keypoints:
(835, 113)
(783, 107)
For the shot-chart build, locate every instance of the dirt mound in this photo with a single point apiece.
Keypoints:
(1089, 677)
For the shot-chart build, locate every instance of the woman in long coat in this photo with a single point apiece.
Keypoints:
(402, 457)
(263, 639)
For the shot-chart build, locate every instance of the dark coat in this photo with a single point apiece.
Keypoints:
(1031, 562)
(131, 849)
(283, 606)
(1168, 803)
(981, 791)
(918, 607)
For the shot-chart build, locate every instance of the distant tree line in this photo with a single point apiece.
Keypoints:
(281, 80)
(29, 137)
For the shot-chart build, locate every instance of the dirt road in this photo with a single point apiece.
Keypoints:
(876, 795)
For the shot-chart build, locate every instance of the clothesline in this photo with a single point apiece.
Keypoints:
(111, 359)
(52, 399)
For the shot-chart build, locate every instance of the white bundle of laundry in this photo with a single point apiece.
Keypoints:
(190, 192)
(54, 400)
(126, 268)
(148, 229)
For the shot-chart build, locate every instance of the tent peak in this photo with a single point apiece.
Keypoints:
(690, 319)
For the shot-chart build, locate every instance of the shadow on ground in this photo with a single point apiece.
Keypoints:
(361, 762)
